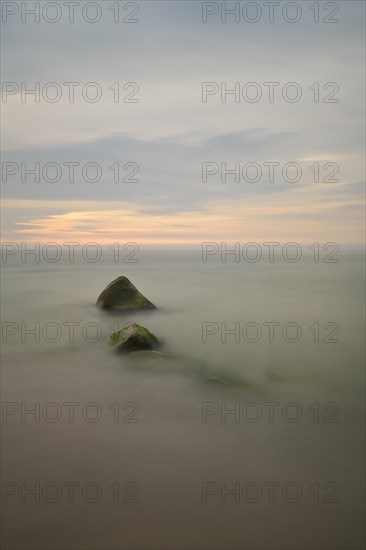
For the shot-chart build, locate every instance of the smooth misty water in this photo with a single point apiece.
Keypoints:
(170, 452)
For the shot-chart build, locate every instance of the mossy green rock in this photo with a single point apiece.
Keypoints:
(122, 295)
(133, 338)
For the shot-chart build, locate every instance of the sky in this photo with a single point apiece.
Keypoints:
(163, 135)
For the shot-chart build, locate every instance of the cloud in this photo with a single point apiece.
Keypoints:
(266, 219)
(169, 133)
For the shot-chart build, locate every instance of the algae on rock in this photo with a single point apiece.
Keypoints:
(122, 295)
(133, 338)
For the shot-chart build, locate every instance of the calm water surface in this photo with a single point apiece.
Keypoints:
(174, 471)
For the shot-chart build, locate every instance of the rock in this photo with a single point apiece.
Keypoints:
(133, 338)
(121, 294)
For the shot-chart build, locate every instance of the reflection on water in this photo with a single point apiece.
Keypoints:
(191, 465)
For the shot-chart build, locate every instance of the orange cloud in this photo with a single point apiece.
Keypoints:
(270, 218)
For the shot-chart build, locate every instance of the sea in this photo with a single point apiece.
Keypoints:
(253, 438)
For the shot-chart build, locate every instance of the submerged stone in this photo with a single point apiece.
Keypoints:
(216, 381)
(156, 361)
(133, 338)
(149, 358)
(122, 295)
